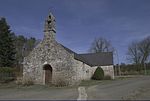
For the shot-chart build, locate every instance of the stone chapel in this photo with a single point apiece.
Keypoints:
(51, 62)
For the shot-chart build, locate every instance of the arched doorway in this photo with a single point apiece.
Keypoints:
(47, 73)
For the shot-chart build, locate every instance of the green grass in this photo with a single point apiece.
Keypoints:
(148, 72)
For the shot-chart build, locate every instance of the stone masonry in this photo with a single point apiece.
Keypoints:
(64, 68)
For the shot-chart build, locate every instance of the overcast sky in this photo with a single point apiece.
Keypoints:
(78, 22)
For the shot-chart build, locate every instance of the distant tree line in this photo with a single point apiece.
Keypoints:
(13, 48)
(139, 53)
(132, 69)
(23, 47)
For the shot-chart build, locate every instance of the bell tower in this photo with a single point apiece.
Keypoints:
(50, 28)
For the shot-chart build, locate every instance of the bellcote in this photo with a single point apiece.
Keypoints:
(50, 27)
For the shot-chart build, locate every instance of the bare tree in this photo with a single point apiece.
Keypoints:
(144, 48)
(134, 53)
(139, 52)
(101, 45)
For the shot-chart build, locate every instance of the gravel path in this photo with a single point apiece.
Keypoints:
(39, 93)
(128, 89)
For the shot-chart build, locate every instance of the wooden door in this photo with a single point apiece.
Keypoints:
(48, 73)
(48, 76)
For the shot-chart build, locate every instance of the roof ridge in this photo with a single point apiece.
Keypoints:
(95, 53)
(67, 49)
(96, 59)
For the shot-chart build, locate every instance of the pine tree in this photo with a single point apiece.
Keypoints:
(20, 44)
(7, 48)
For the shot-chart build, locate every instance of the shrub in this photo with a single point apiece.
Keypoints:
(98, 74)
(107, 77)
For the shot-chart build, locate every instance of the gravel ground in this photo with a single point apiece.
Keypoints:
(137, 88)
(39, 93)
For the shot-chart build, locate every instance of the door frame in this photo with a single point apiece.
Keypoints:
(46, 68)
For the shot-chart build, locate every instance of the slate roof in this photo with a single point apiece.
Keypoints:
(96, 59)
(93, 59)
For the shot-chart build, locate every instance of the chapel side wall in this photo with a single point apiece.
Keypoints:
(108, 70)
(77, 65)
(83, 71)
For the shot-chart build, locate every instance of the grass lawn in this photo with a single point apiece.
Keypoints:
(148, 72)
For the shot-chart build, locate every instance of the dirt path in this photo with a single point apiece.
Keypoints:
(127, 89)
